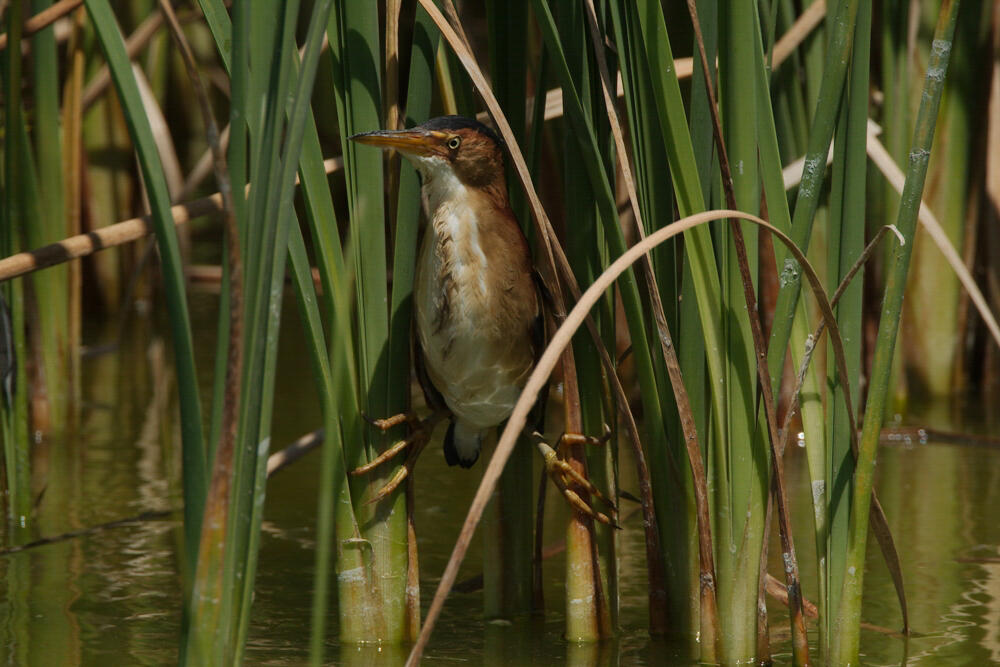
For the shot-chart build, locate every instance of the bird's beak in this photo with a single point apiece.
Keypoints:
(412, 142)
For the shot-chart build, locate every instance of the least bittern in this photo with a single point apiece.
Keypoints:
(476, 303)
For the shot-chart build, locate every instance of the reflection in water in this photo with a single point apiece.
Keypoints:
(114, 597)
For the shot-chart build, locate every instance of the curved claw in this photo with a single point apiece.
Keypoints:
(392, 484)
(416, 442)
(384, 456)
(568, 471)
(420, 431)
(563, 474)
(576, 501)
(387, 423)
(404, 471)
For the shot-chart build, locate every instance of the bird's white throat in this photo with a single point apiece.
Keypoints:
(453, 222)
(440, 184)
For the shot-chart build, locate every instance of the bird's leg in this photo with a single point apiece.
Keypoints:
(563, 474)
(420, 432)
(384, 425)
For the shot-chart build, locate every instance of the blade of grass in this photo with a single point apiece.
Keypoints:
(704, 279)
(687, 588)
(193, 451)
(52, 288)
(813, 415)
(407, 217)
(737, 80)
(690, 435)
(373, 601)
(846, 638)
(218, 22)
(744, 466)
(807, 201)
(845, 241)
(932, 322)
(343, 411)
(280, 207)
(707, 289)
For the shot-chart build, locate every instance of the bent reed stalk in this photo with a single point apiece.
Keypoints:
(543, 369)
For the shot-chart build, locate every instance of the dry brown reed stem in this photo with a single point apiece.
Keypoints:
(117, 234)
(114, 235)
(44, 19)
(293, 452)
(654, 557)
(413, 564)
(456, 22)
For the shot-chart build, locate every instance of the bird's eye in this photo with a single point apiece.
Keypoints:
(454, 143)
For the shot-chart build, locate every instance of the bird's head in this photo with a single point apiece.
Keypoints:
(449, 145)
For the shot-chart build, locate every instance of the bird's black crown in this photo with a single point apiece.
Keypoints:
(445, 123)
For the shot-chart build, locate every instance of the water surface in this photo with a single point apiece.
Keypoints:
(113, 597)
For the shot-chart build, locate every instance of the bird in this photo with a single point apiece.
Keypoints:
(477, 299)
(477, 309)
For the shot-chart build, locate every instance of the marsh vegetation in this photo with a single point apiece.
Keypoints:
(765, 229)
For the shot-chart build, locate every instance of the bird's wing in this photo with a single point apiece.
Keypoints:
(434, 399)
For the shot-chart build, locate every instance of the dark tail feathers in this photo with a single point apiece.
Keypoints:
(461, 445)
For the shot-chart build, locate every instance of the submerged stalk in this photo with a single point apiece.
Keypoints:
(846, 642)
(13, 349)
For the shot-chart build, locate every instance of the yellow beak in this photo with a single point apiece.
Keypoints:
(414, 142)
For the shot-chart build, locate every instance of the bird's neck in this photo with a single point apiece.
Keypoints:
(455, 216)
(442, 187)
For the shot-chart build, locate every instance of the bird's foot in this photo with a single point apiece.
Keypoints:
(420, 433)
(565, 477)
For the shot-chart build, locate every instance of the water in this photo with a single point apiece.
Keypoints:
(113, 597)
